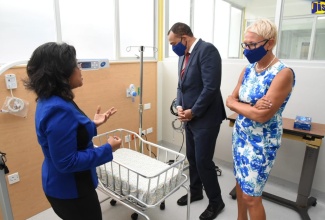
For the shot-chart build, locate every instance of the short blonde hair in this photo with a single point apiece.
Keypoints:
(265, 28)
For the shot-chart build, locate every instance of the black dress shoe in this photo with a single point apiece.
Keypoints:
(183, 200)
(212, 211)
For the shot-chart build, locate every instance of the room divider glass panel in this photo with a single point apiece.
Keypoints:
(303, 31)
(295, 38)
(242, 14)
(319, 49)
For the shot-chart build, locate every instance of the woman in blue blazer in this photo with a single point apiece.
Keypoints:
(65, 133)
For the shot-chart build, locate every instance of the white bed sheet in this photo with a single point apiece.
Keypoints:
(144, 165)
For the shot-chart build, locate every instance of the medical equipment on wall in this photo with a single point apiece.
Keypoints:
(19, 107)
(85, 64)
(130, 92)
(92, 64)
(141, 50)
(4, 195)
(13, 105)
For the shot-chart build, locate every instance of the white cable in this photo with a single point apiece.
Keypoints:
(15, 104)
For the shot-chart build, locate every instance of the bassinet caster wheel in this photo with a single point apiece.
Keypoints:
(233, 197)
(314, 204)
(162, 205)
(113, 202)
(134, 216)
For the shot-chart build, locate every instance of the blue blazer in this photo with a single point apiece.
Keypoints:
(199, 89)
(70, 159)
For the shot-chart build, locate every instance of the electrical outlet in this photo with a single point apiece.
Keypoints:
(127, 138)
(13, 178)
(147, 106)
(149, 130)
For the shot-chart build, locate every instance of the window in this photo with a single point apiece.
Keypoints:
(235, 33)
(220, 22)
(89, 27)
(302, 33)
(136, 28)
(97, 28)
(176, 11)
(222, 27)
(109, 29)
(252, 10)
(295, 38)
(116, 29)
(20, 23)
(203, 18)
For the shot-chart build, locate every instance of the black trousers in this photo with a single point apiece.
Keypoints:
(85, 208)
(200, 146)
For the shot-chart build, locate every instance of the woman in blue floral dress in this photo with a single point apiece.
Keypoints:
(259, 98)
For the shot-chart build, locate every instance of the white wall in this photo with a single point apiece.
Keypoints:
(307, 99)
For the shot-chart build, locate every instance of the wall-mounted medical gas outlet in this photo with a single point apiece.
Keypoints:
(130, 92)
(13, 178)
(11, 81)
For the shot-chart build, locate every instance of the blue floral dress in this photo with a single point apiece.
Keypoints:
(255, 144)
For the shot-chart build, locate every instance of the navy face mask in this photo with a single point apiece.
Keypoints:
(255, 54)
(179, 48)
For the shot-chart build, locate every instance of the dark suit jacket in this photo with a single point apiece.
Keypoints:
(199, 89)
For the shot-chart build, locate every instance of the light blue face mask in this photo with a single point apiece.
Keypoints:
(179, 48)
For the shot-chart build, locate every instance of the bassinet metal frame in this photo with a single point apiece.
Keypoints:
(154, 151)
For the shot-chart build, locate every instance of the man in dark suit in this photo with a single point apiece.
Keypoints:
(200, 107)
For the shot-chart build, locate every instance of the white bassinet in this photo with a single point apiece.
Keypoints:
(140, 176)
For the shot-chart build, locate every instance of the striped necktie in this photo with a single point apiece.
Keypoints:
(187, 56)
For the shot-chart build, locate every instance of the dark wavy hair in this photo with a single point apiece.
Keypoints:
(49, 70)
(181, 29)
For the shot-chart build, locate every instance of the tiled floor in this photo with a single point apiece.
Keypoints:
(175, 212)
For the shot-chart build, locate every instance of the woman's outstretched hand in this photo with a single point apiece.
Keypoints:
(101, 118)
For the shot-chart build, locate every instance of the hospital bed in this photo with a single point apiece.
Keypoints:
(140, 176)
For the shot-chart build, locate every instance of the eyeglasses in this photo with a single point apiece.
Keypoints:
(252, 46)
